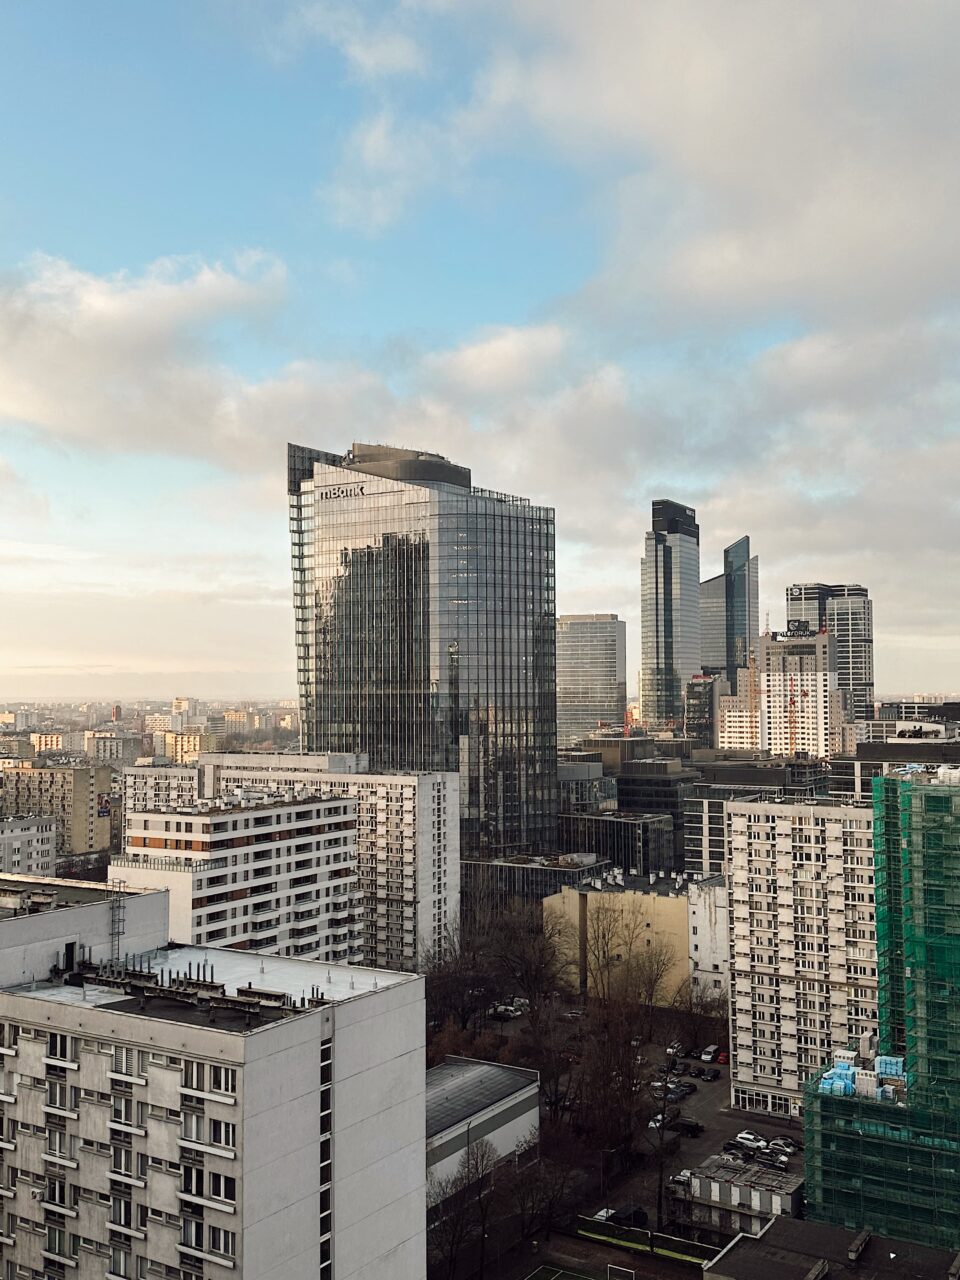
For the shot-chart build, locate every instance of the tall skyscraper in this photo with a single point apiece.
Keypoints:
(426, 632)
(846, 611)
(591, 674)
(670, 611)
(730, 613)
(800, 703)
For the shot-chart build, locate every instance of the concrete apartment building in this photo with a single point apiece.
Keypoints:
(732, 1197)
(47, 742)
(803, 949)
(407, 836)
(77, 797)
(28, 846)
(708, 919)
(189, 1112)
(273, 873)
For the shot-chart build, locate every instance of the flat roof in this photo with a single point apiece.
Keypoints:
(460, 1087)
(236, 971)
(789, 1248)
(748, 1175)
(68, 893)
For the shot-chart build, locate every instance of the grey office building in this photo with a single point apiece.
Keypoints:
(426, 632)
(730, 612)
(846, 611)
(591, 674)
(670, 612)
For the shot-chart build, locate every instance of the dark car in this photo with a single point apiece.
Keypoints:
(681, 1068)
(689, 1127)
(676, 1095)
(712, 1073)
(687, 1086)
(631, 1215)
(696, 1072)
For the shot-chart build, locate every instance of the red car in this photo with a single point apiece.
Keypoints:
(723, 1058)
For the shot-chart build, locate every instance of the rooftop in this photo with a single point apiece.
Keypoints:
(65, 893)
(790, 1249)
(460, 1087)
(229, 989)
(719, 1169)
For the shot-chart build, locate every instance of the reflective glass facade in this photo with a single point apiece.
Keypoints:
(426, 632)
(846, 611)
(591, 674)
(730, 613)
(670, 612)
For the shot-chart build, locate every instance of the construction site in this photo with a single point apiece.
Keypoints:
(883, 1125)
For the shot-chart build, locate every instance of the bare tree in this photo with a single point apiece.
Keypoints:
(701, 1010)
(479, 1165)
(450, 1218)
(531, 950)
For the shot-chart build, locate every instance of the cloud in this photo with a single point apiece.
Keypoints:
(503, 361)
(372, 48)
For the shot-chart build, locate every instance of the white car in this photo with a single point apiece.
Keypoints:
(752, 1141)
(682, 1178)
(603, 1215)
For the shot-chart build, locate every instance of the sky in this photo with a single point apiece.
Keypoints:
(600, 253)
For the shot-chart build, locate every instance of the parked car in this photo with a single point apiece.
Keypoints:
(686, 1125)
(687, 1086)
(734, 1148)
(675, 1095)
(712, 1073)
(681, 1179)
(723, 1057)
(771, 1161)
(789, 1139)
(674, 1049)
(697, 1072)
(603, 1215)
(783, 1148)
(631, 1215)
(710, 1052)
(680, 1068)
(752, 1141)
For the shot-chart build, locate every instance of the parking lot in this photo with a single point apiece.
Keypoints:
(709, 1106)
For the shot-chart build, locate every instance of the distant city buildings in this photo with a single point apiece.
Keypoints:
(28, 846)
(591, 674)
(426, 632)
(800, 704)
(670, 612)
(846, 611)
(76, 797)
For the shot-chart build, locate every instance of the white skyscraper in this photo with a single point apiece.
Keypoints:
(800, 704)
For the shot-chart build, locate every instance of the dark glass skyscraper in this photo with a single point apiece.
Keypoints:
(730, 613)
(670, 612)
(426, 632)
(846, 611)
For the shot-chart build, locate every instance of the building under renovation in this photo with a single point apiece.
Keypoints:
(883, 1131)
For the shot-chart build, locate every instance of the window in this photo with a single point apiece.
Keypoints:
(193, 1180)
(223, 1187)
(56, 1191)
(124, 1061)
(121, 1211)
(222, 1133)
(122, 1109)
(191, 1233)
(122, 1160)
(58, 1046)
(223, 1079)
(223, 1242)
(119, 1262)
(192, 1127)
(193, 1075)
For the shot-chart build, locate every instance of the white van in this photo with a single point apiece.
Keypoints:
(710, 1053)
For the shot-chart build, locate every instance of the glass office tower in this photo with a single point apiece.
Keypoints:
(591, 674)
(846, 611)
(426, 632)
(670, 612)
(730, 613)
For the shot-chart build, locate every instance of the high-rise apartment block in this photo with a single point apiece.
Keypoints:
(426, 632)
(800, 704)
(28, 846)
(76, 797)
(846, 611)
(883, 1130)
(730, 612)
(591, 674)
(191, 1112)
(738, 713)
(803, 948)
(407, 836)
(273, 873)
(670, 612)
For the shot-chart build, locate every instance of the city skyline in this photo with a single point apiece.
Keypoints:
(423, 224)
